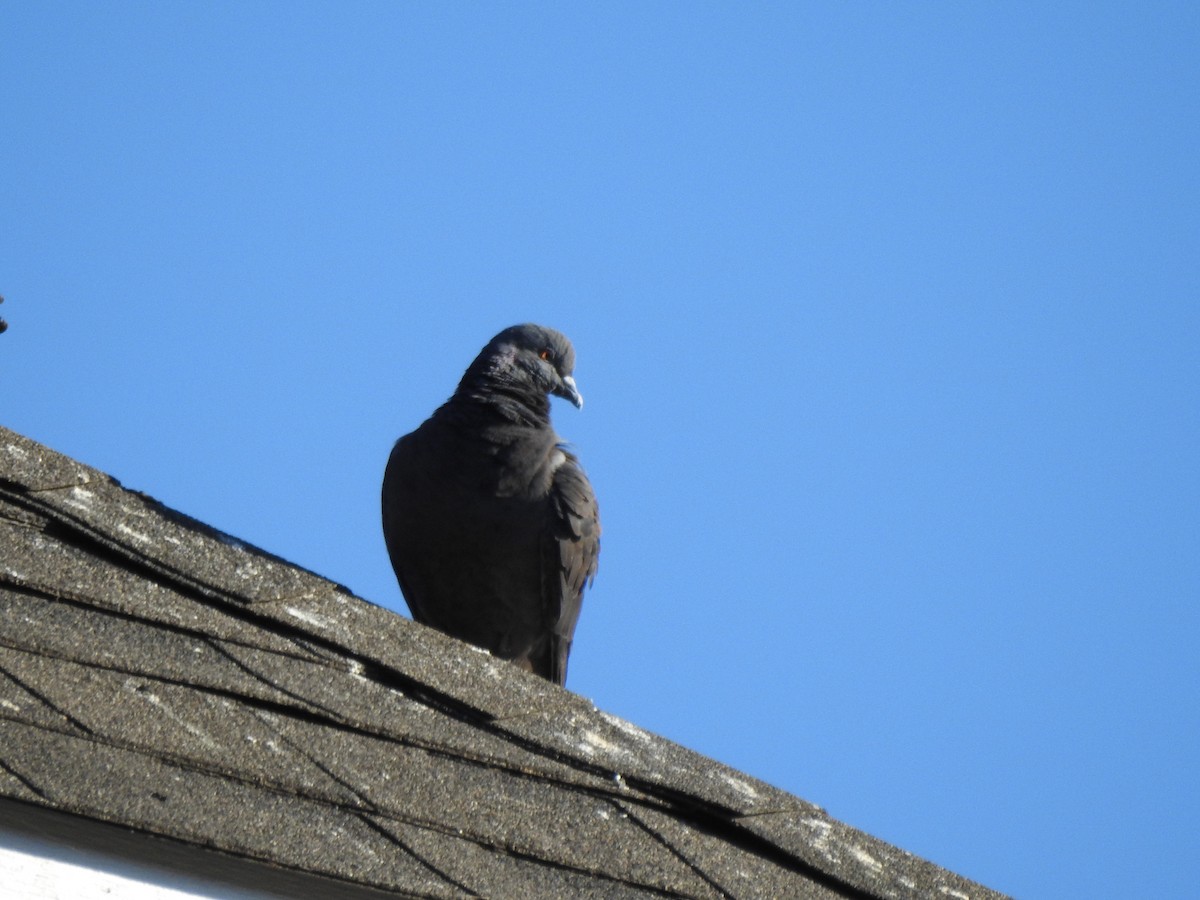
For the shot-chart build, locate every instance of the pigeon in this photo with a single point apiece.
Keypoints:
(490, 522)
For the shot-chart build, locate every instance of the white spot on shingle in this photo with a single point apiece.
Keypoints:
(156, 701)
(136, 535)
(739, 785)
(306, 617)
(79, 498)
(592, 743)
(865, 858)
(627, 727)
(823, 832)
(951, 892)
(8, 704)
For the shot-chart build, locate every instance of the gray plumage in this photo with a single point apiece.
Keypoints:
(490, 521)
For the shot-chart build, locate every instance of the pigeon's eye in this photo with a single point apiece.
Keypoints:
(545, 354)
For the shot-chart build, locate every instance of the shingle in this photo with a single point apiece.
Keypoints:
(527, 817)
(91, 636)
(645, 760)
(36, 468)
(732, 870)
(49, 565)
(439, 666)
(490, 872)
(147, 534)
(194, 729)
(869, 865)
(118, 785)
(17, 701)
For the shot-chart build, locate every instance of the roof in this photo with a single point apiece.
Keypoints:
(160, 675)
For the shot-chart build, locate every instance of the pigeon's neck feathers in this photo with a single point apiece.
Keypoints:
(495, 393)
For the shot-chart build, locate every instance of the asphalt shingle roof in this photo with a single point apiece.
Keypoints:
(160, 675)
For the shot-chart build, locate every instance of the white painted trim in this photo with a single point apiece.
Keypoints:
(37, 869)
(48, 854)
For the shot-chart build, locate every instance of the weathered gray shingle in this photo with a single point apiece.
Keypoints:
(162, 676)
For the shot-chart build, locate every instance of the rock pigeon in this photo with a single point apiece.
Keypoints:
(490, 522)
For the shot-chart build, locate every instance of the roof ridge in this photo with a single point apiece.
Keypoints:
(266, 677)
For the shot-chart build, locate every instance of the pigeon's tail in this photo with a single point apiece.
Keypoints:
(559, 651)
(549, 660)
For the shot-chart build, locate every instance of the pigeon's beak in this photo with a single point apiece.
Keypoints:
(568, 391)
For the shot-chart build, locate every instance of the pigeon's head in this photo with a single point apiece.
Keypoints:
(528, 357)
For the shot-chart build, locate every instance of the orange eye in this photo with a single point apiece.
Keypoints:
(545, 354)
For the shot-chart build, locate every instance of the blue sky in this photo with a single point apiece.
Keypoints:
(886, 317)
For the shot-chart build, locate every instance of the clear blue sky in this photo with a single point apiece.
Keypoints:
(887, 317)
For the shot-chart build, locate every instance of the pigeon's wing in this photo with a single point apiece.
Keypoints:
(570, 555)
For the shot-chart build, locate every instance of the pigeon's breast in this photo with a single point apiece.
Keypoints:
(522, 465)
